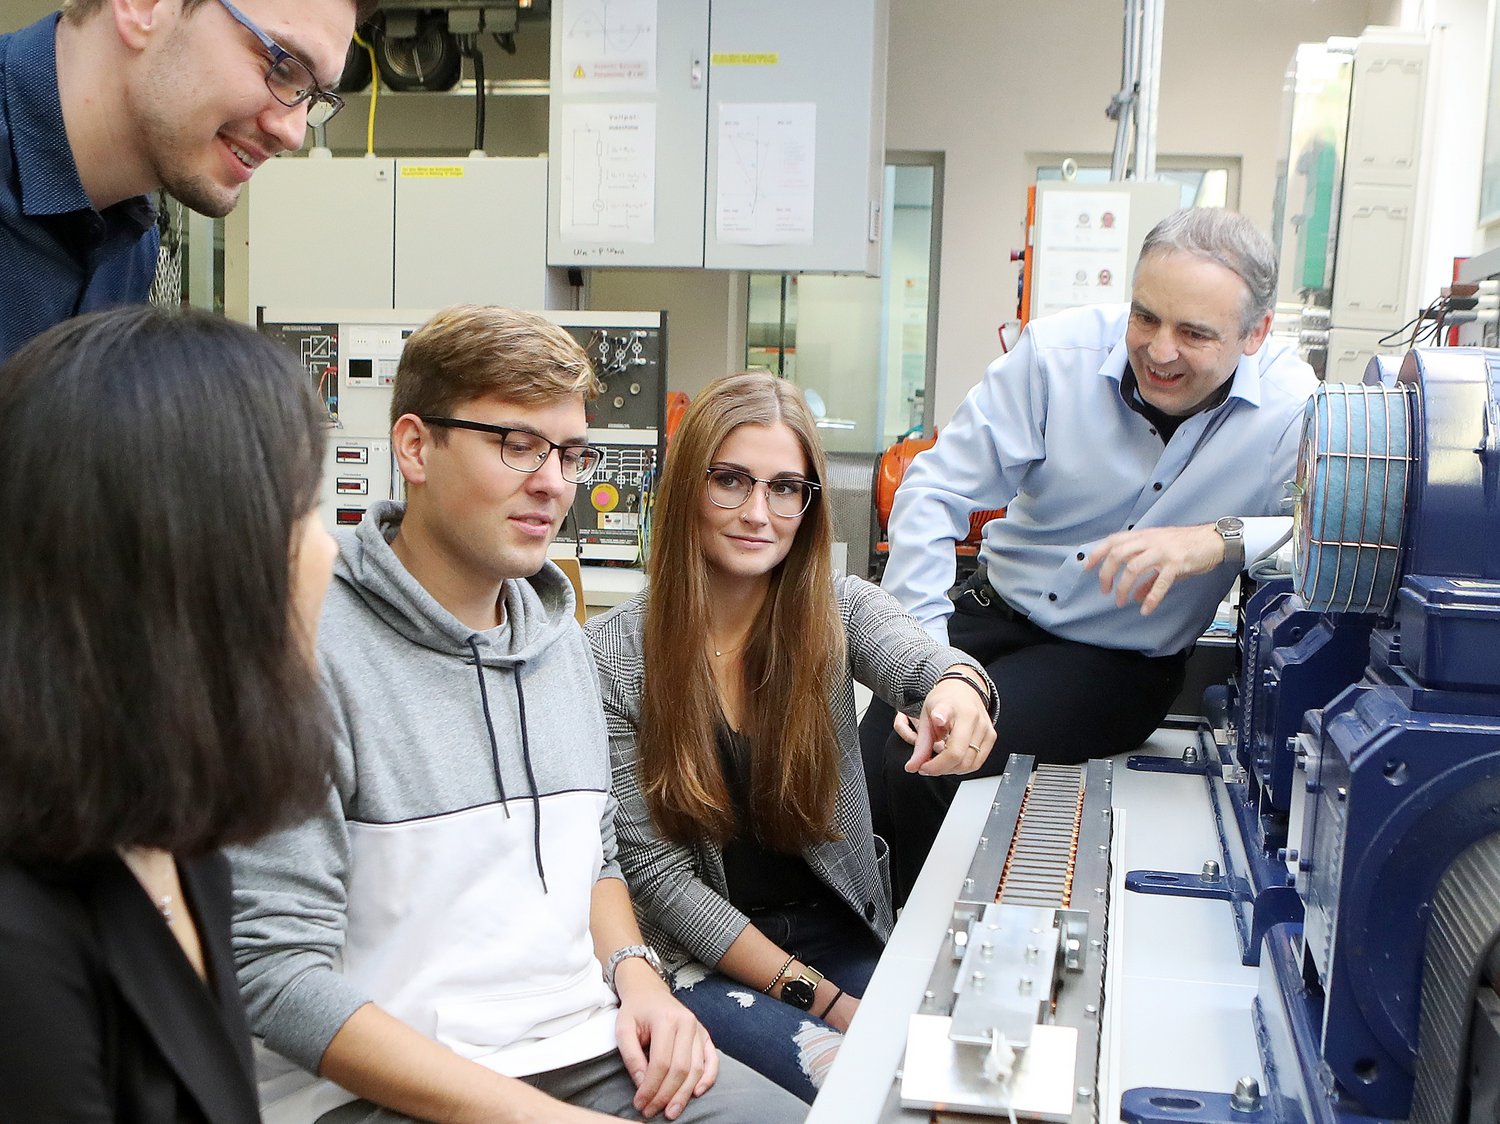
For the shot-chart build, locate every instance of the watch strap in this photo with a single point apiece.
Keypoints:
(1232, 531)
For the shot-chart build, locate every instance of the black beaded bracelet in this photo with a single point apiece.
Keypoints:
(983, 691)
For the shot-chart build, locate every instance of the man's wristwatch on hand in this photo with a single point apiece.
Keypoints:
(620, 955)
(798, 990)
(1232, 531)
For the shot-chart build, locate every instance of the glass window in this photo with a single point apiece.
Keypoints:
(860, 347)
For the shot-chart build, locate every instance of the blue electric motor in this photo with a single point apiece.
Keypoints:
(1394, 796)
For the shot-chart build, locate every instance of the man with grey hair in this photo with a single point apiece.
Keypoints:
(107, 101)
(1141, 451)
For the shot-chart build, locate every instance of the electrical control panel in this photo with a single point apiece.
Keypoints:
(351, 357)
(609, 514)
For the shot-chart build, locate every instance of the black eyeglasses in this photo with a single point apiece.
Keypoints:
(289, 79)
(525, 451)
(786, 496)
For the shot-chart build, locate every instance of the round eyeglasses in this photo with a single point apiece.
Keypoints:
(525, 451)
(786, 496)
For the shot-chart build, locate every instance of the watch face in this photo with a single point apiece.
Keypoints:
(1230, 525)
(799, 992)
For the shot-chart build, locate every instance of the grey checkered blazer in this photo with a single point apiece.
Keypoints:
(680, 891)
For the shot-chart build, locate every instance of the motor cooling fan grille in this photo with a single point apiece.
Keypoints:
(1356, 461)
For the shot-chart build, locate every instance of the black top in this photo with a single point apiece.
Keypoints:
(101, 1014)
(758, 877)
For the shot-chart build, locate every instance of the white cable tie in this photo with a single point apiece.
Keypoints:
(1000, 1067)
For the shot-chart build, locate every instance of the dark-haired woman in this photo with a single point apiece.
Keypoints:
(744, 823)
(161, 571)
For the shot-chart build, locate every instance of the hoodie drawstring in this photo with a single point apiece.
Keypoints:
(489, 726)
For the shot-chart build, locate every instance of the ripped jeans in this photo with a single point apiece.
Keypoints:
(789, 1046)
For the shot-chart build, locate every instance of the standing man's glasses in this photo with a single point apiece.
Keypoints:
(289, 79)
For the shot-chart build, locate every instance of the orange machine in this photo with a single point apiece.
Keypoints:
(888, 475)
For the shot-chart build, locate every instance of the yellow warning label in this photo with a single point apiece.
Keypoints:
(578, 72)
(770, 58)
(605, 497)
(432, 171)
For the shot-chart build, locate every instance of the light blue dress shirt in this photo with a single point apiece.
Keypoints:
(1047, 435)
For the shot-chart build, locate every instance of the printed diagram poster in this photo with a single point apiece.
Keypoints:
(609, 173)
(1082, 245)
(766, 158)
(608, 45)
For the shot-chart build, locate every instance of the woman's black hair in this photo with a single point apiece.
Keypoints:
(155, 689)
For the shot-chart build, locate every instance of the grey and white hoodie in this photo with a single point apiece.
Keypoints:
(448, 877)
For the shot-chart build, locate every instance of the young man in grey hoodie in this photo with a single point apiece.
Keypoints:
(451, 938)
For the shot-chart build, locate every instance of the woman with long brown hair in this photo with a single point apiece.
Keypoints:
(744, 822)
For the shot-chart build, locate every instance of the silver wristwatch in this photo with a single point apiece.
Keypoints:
(620, 955)
(1232, 531)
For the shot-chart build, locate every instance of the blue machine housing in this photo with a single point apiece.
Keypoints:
(1302, 660)
(1394, 774)
(1402, 781)
(1403, 768)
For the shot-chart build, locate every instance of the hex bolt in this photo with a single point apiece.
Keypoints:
(1190, 755)
(984, 841)
(1084, 1092)
(1090, 1010)
(1210, 871)
(1032, 952)
(978, 980)
(1246, 1095)
(1024, 985)
(986, 950)
(1099, 892)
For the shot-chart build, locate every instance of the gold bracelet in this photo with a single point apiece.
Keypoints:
(777, 978)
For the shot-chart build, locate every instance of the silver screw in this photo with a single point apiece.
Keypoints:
(986, 950)
(1210, 871)
(1084, 1092)
(1024, 987)
(1031, 953)
(1099, 892)
(1090, 1010)
(1246, 1095)
(984, 841)
(978, 980)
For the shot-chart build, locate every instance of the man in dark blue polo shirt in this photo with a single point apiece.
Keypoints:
(110, 100)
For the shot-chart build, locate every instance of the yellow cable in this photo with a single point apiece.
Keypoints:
(374, 96)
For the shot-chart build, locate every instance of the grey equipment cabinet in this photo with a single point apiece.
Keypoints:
(753, 131)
